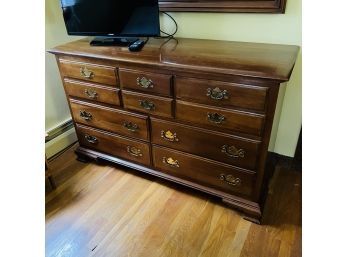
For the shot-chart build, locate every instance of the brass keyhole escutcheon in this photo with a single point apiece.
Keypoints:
(169, 136)
(217, 93)
(232, 151)
(87, 116)
(132, 150)
(231, 180)
(147, 105)
(130, 126)
(215, 118)
(144, 82)
(170, 162)
(91, 93)
(86, 73)
(91, 139)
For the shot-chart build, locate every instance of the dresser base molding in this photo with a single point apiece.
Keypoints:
(251, 210)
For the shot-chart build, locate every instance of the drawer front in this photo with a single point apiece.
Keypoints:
(203, 171)
(221, 93)
(110, 119)
(113, 144)
(146, 82)
(155, 105)
(213, 145)
(90, 91)
(88, 71)
(220, 118)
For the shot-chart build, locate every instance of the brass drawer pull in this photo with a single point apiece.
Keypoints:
(91, 93)
(132, 150)
(144, 82)
(216, 118)
(147, 105)
(231, 180)
(130, 126)
(169, 136)
(170, 162)
(85, 115)
(86, 73)
(217, 93)
(232, 151)
(91, 139)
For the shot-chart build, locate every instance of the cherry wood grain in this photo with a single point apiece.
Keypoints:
(205, 143)
(160, 83)
(92, 91)
(111, 119)
(126, 148)
(202, 91)
(234, 120)
(201, 170)
(269, 61)
(98, 73)
(162, 106)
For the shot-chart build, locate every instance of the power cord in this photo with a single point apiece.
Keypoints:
(176, 28)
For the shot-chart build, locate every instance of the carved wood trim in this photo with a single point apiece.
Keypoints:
(237, 6)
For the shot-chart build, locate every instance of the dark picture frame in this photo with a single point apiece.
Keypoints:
(236, 6)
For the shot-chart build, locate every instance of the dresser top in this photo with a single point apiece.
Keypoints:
(268, 61)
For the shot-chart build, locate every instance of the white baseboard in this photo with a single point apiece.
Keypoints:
(60, 142)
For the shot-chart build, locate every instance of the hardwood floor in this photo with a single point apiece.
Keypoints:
(102, 210)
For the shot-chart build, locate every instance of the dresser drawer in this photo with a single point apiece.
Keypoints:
(214, 145)
(114, 145)
(88, 71)
(110, 119)
(146, 82)
(220, 118)
(221, 93)
(91, 91)
(203, 171)
(155, 105)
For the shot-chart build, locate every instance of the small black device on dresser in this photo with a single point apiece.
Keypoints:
(136, 46)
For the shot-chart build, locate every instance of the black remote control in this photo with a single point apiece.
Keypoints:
(136, 46)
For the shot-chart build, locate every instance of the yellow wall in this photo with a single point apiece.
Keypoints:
(56, 106)
(267, 28)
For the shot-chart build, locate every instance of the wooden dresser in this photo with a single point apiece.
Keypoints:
(196, 112)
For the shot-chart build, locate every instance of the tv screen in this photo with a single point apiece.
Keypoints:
(111, 18)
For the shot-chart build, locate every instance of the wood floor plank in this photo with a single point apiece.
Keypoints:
(174, 243)
(219, 239)
(102, 210)
(128, 230)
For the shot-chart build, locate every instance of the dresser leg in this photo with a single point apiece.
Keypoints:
(249, 212)
(83, 158)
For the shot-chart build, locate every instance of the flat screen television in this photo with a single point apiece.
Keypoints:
(111, 18)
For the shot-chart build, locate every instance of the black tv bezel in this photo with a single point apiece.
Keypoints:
(112, 35)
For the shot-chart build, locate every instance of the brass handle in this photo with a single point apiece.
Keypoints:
(232, 151)
(91, 139)
(147, 105)
(130, 126)
(170, 162)
(91, 93)
(216, 118)
(85, 115)
(144, 82)
(231, 180)
(217, 93)
(132, 150)
(86, 73)
(169, 136)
